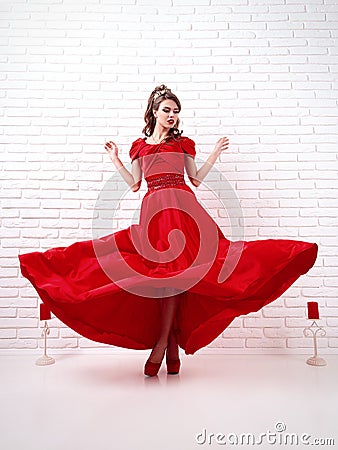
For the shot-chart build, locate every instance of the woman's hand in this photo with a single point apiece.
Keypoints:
(112, 150)
(221, 145)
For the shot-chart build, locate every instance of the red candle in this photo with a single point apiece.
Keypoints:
(44, 312)
(312, 310)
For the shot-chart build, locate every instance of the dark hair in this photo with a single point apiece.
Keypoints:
(159, 94)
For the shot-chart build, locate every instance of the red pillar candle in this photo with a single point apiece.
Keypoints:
(312, 310)
(44, 312)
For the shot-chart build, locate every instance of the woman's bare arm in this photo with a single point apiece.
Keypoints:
(134, 178)
(197, 176)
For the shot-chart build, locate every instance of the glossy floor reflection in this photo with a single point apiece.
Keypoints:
(104, 402)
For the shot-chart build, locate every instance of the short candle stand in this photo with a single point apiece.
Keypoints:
(45, 359)
(313, 329)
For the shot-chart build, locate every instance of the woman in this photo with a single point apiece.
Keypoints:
(157, 284)
(162, 123)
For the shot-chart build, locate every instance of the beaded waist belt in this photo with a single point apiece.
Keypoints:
(165, 180)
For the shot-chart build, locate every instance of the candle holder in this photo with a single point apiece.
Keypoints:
(45, 360)
(313, 329)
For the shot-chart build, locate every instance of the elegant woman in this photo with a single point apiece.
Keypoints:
(160, 284)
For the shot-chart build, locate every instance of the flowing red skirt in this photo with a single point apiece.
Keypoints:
(108, 289)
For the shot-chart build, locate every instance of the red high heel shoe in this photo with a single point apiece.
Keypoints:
(151, 369)
(173, 366)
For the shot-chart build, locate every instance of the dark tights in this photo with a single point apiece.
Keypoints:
(167, 336)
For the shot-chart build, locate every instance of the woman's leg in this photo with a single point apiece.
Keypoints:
(168, 308)
(172, 349)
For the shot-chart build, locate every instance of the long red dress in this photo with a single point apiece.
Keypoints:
(108, 289)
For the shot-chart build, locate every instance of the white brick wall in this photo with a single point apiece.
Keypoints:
(76, 73)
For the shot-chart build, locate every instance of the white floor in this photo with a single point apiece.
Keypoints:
(104, 402)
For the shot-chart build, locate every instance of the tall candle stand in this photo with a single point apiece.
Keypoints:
(313, 329)
(45, 359)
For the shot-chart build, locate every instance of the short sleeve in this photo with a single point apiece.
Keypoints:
(135, 149)
(188, 145)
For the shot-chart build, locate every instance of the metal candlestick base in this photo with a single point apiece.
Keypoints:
(45, 359)
(313, 329)
(316, 361)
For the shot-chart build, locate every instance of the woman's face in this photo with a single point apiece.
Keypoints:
(167, 114)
